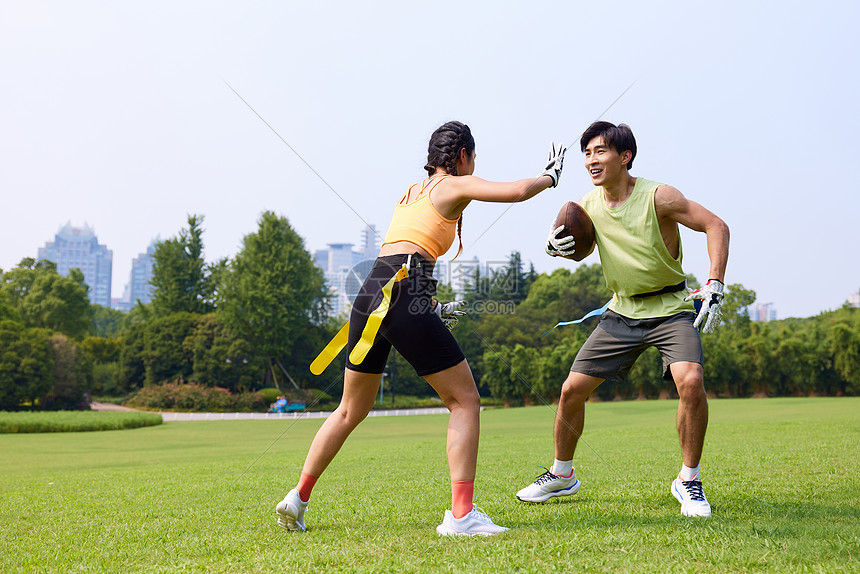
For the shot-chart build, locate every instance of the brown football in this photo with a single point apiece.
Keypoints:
(577, 223)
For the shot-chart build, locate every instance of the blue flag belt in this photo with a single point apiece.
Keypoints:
(583, 318)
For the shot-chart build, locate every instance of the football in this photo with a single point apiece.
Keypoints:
(577, 223)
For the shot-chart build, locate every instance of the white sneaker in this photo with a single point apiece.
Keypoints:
(547, 486)
(474, 523)
(691, 496)
(291, 512)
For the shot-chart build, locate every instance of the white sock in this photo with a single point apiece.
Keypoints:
(562, 468)
(687, 474)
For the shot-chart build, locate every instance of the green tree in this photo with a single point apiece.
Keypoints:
(401, 379)
(508, 282)
(7, 311)
(25, 365)
(844, 343)
(554, 365)
(132, 370)
(179, 274)
(72, 374)
(219, 358)
(101, 349)
(164, 355)
(724, 349)
(646, 377)
(757, 359)
(44, 298)
(273, 294)
(107, 322)
(497, 376)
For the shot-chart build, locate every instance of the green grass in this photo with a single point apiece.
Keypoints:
(781, 475)
(74, 421)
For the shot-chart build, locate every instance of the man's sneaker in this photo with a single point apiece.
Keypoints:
(691, 496)
(474, 523)
(291, 511)
(547, 486)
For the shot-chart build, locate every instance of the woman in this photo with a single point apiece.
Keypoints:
(395, 307)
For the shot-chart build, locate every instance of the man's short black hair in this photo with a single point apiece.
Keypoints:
(620, 138)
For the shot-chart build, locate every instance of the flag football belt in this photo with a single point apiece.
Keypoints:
(670, 289)
(371, 328)
(581, 319)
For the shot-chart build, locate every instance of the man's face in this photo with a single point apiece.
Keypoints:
(604, 164)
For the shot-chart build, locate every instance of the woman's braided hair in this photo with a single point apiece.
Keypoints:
(444, 150)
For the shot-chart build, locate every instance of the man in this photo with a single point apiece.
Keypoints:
(637, 236)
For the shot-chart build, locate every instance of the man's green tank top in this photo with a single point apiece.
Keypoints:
(633, 254)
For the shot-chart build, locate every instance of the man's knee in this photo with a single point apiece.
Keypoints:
(577, 387)
(689, 381)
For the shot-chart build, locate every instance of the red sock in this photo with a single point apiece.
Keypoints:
(305, 486)
(462, 492)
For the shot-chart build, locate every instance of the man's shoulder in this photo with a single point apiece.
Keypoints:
(647, 185)
(591, 196)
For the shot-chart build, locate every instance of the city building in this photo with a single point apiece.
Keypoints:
(139, 287)
(762, 312)
(78, 247)
(854, 299)
(345, 268)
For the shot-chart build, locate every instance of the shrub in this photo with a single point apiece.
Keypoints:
(74, 421)
(193, 397)
(270, 394)
(319, 396)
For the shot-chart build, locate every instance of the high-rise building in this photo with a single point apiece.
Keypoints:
(345, 269)
(139, 287)
(79, 247)
(763, 312)
(370, 241)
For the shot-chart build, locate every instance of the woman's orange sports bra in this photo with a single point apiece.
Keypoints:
(420, 223)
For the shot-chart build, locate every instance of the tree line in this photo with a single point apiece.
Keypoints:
(258, 319)
(516, 360)
(241, 324)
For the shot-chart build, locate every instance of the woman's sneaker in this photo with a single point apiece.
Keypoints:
(691, 496)
(291, 512)
(474, 523)
(547, 486)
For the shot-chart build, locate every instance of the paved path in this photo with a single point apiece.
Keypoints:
(178, 417)
(97, 406)
(174, 417)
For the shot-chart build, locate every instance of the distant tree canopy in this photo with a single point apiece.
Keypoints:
(264, 324)
(42, 297)
(272, 295)
(259, 318)
(25, 364)
(180, 278)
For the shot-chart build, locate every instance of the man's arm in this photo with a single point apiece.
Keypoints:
(673, 208)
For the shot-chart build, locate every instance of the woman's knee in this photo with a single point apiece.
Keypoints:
(466, 399)
(350, 417)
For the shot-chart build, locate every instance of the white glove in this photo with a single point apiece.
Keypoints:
(556, 246)
(554, 163)
(712, 302)
(449, 313)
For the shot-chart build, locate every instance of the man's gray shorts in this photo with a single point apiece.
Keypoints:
(617, 342)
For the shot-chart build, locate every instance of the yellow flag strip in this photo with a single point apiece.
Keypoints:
(331, 350)
(368, 335)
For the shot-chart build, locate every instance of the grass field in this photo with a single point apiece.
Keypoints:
(781, 475)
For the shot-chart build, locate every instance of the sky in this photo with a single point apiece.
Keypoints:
(125, 117)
